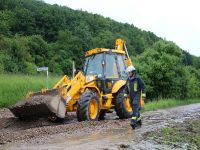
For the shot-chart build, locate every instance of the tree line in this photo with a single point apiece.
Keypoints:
(33, 33)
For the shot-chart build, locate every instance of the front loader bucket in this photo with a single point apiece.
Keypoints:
(40, 105)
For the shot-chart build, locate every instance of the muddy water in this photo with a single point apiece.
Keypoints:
(105, 139)
(109, 134)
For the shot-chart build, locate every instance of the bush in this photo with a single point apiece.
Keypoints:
(164, 74)
(1, 68)
(30, 68)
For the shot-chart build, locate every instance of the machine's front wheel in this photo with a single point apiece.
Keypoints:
(88, 107)
(122, 105)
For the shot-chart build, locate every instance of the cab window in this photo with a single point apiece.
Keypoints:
(93, 65)
(111, 67)
(122, 66)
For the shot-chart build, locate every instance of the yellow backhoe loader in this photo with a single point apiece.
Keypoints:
(91, 93)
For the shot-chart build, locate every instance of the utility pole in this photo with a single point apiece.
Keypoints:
(73, 69)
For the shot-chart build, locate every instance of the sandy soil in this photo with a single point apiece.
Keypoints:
(110, 133)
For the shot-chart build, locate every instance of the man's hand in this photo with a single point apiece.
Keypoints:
(125, 95)
(143, 96)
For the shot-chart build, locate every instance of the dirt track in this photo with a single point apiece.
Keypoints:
(108, 134)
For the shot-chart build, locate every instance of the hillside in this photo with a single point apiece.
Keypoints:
(33, 33)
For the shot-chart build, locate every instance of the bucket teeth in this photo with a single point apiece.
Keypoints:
(37, 106)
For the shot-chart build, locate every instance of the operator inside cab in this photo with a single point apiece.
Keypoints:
(135, 88)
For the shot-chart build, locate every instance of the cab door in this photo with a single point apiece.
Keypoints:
(122, 66)
(111, 71)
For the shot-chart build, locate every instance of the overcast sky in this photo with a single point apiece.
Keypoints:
(175, 20)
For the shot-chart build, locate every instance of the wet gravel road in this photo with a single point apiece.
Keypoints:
(110, 133)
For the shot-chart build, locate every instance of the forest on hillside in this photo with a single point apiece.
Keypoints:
(33, 34)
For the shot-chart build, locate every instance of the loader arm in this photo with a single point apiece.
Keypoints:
(73, 87)
(64, 81)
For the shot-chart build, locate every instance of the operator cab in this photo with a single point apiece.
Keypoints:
(108, 66)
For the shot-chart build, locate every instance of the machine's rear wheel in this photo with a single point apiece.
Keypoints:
(88, 107)
(122, 105)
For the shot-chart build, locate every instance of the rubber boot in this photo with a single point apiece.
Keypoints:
(133, 124)
(139, 122)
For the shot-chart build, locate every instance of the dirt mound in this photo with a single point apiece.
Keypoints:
(35, 106)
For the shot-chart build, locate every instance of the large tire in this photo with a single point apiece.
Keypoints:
(88, 107)
(122, 105)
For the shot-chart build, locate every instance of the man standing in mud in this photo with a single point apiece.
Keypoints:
(135, 87)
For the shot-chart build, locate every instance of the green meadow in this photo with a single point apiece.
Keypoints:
(15, 87)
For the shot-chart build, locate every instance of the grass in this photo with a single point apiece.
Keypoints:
(168, 103)
(15, 87)
(182, 135)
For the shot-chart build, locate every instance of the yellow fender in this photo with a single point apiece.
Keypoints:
(118, 86)
(95, 88)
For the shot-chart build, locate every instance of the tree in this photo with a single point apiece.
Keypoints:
(29, 68)
(159, 66)
(33, 33)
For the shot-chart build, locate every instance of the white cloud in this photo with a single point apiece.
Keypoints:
(175, 20)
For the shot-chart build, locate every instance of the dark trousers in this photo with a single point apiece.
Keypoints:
(135, 107)
(136, 114)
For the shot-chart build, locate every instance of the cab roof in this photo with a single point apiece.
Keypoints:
(101, 50)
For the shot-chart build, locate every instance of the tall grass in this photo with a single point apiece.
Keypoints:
(168, 103)
(15, 87)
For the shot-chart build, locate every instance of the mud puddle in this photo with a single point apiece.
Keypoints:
(108, 134)
(82, 141)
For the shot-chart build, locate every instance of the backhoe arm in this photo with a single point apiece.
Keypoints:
(121, 45)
